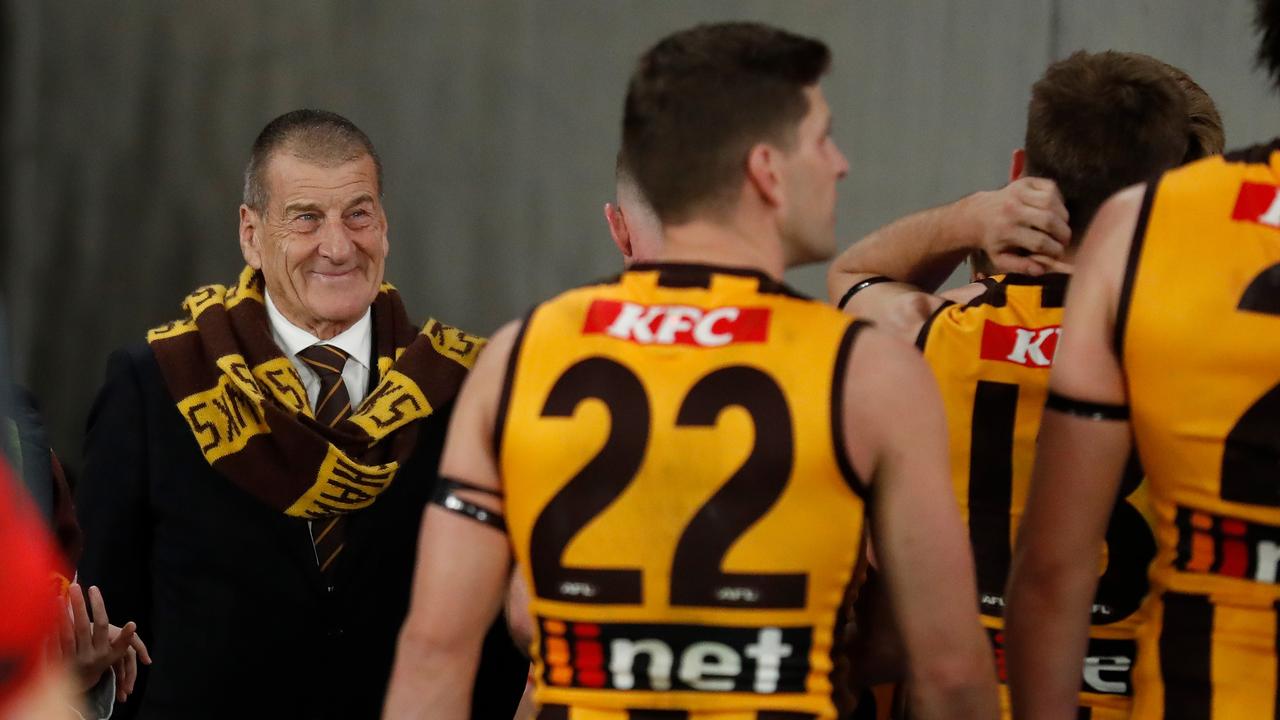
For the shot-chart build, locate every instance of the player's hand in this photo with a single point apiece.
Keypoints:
(97, 644)
(1023, 226)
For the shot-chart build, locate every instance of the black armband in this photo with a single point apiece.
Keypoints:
(859, 287)
(447, 497)
(1085, 409)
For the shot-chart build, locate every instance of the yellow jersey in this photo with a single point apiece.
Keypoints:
(1198, 333)
(678, 496)
(992, 358)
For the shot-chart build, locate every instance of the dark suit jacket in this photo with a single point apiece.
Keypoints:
(225, 590)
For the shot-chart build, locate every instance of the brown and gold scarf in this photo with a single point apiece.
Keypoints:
(247, 408)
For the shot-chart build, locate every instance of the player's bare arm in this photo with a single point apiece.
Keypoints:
(463, 563)
(1083, 446)
(920, 540)
(1022, 228)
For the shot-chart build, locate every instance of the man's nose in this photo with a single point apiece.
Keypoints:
(842, 164)
(335, 245)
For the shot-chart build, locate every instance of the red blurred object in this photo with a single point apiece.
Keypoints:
(29, 564)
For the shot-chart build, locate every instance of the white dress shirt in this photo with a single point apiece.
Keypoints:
(356, 341)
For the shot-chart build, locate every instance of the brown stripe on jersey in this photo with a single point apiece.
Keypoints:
(1186, 647)
(994, 295)
(995, 407)
(843, 460)
(769, 286)
(561, 712)
(1254, 153)
(553, 712)
(1261, 295)
(923, 336)
(1053, 290)
(508, 377)
(684, 276)
(695, 275)
(1131, 265)
(1275, 703)
(1182, 521)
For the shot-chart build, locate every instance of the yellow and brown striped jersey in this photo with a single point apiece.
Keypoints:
(1198, 332)
(992, 358)
(678, 497)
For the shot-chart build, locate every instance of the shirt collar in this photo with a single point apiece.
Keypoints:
(356, 341)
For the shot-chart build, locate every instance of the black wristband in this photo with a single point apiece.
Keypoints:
(1085, 409)
(859, 287)
(446, 498)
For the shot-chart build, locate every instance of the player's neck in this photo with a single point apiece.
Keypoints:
(717, 243)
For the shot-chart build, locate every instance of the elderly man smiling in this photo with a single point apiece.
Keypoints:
(256, 472)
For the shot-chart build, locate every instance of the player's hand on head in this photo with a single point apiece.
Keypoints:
(1035, 264)
(1023, 226)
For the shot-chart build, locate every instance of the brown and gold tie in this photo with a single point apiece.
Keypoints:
(332, 404)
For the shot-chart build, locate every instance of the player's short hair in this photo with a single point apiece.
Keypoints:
(1266, 20)
(1206, 134)
(1099, 122)
(315, 136)
(700, 99)
(1066, 111)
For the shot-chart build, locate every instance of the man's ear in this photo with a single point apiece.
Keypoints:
(1018, 164)
(764, 175)
(618, 229)
(386, 236)
(250, 223)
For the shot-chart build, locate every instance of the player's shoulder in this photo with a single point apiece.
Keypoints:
(998, 305)
(881, 364)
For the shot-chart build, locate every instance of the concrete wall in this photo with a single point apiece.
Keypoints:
(127, 125)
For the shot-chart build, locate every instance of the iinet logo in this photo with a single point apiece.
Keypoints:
(1228, 547)
(661, 658)
(1032, 347)
(677, 324)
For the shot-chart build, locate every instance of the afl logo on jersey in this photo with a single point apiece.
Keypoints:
(677, 324)
(1032, 347)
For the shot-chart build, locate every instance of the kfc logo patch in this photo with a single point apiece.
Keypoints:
(1032, 347)
(1258, 203)
(677, 324)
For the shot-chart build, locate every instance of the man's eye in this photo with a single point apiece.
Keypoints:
(307, 217)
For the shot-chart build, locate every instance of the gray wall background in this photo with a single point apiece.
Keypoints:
(127, 125)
